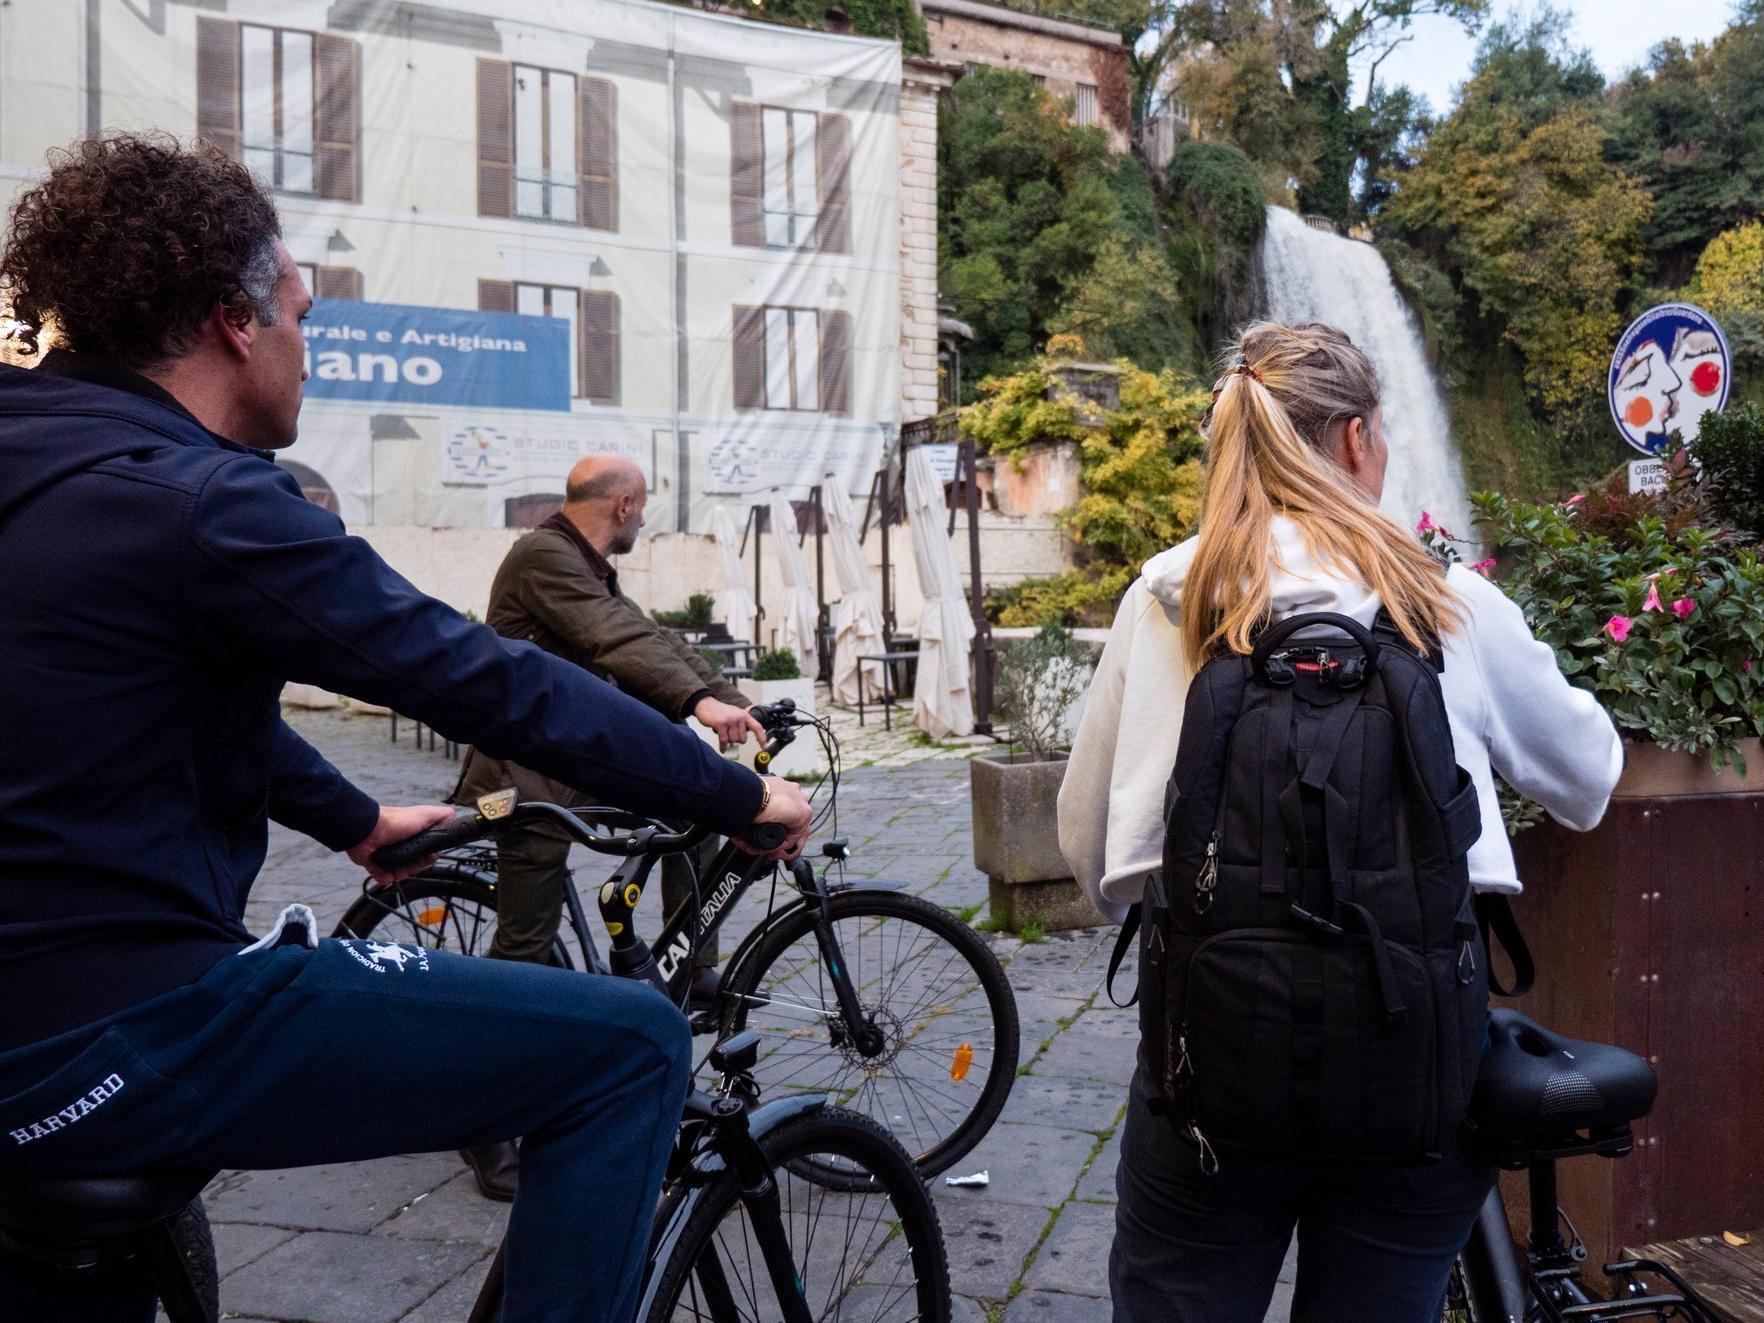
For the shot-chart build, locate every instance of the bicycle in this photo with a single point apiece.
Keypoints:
(890, 1004)
(1540, 1098)
(740, 1234)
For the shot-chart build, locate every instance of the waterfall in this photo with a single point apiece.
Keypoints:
(1313, 275)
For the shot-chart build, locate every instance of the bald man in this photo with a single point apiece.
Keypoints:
(558, 589)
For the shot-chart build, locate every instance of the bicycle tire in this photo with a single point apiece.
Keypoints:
(938, 1111)
(443, 909)
(877, 1292)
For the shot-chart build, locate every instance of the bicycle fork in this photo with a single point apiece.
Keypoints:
(869, 1040)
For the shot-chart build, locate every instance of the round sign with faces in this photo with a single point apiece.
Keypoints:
(1671, 367)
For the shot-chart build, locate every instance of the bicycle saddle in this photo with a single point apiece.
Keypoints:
(1535, 1083)
(96, 1206)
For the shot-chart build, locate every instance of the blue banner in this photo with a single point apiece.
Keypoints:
(436, 356)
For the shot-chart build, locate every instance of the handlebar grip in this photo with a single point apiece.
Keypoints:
(464, 828)
(765, 836)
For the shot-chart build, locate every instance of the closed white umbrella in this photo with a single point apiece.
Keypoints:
(857, 620)
(942, 703)
(735, 600)
(800, 606)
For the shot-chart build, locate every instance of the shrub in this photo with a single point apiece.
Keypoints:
(1223, 187)
(778, 664)
(699, 609)
(1039, 680)
(1730, 448)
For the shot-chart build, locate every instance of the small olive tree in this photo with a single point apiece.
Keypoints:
(1039, 682)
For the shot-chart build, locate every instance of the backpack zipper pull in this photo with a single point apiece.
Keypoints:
(1209, 1160)
(1183, 1065)
(1208, 878)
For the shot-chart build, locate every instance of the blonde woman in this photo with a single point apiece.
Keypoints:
(1289, 525)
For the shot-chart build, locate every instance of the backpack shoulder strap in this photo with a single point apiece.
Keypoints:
(1129, 926)
(1494, 915)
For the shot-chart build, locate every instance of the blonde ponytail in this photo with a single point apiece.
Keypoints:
(1267, 453)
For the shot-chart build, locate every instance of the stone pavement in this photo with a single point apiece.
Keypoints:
(409, 1238)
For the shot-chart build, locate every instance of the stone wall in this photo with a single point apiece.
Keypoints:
(921, 82)
(1062, 53)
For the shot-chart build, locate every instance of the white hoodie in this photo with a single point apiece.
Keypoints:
(1510, 710)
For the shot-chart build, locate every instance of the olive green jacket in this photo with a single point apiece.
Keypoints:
(555, 590)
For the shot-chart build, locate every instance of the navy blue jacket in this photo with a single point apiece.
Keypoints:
(158, 585)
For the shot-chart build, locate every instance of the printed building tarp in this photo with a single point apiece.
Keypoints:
(690, 224)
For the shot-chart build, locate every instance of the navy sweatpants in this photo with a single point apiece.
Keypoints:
(292, 1056)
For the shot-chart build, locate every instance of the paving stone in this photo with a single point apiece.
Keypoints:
(345, 1197)
(966, 1309)
(453, 1302)
(1075, 1257)
(1081, 1053)
(987, 1243)
(1028, 1164)
(328, 1277)
(1099, 1181)
(456, 1211)
(1038, 1099)
(237, 1244)
(1050, 1307)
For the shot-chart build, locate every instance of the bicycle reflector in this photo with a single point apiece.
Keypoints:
(430, 917)
(964, 1057)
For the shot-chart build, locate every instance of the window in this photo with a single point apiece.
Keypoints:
(1084, 105)
(795, 359)
(593, 319)
(547, 143)
(284, 102)
(1040, 80)
(330, 282)
(788, 178)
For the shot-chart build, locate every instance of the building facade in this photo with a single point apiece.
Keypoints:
(715, 224)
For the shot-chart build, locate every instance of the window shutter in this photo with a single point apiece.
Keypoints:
(337, 142)
(338, 282)
(745, 176)
(600, 346)
(598, 146)
(495, 138)
(833, 183)
(496, 296)
(217, 83)
(750, 358)
(835, 361)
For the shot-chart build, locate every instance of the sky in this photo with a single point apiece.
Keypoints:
(1619, 33)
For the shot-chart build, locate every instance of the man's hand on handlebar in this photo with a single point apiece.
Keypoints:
(731, 724)
(789, 808)
(399, 824)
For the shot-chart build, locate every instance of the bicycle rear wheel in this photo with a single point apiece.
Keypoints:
(447, 907)
(871, 1254)
(927, 980)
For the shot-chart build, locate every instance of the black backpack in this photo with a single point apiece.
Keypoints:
(1312, 976)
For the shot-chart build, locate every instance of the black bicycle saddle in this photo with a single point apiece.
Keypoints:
(1534, 1083)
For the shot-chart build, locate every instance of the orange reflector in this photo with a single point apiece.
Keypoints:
(429, 918)
(964, 1057)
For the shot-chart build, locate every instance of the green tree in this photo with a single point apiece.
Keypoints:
(1041, 229)
(1515, 192)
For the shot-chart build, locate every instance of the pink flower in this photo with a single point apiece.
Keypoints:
(1746, 665)
(1683, 607)
(1653, 602)
(1425, 525)
(1575, 499)
(1482, 567)
(1617, 627)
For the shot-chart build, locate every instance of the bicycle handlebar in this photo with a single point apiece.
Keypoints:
(650, 838)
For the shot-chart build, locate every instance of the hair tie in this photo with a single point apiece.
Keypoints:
(1244, 369)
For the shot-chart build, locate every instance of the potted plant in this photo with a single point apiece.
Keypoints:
(776, 676)
(1648, 930)
(1041, 682)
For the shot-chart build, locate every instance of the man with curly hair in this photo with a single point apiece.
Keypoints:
(160, 579)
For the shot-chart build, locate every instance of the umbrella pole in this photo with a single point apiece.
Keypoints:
(968, 469)
(823, 660)
(887, 504)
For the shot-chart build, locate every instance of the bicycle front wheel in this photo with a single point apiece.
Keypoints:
(946, 1056)
(869, 1254)
(445, 908)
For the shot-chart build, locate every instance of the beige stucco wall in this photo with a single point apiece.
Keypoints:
(920, 87)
